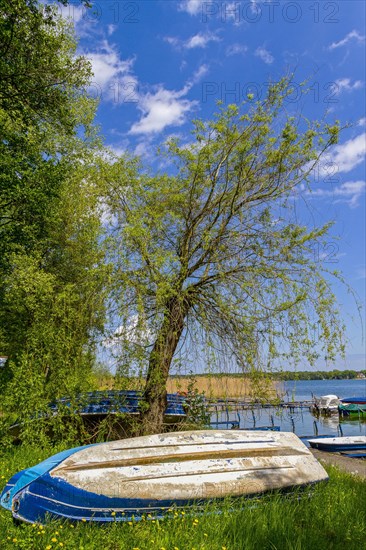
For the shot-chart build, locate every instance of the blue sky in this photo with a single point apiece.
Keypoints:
(158, 64)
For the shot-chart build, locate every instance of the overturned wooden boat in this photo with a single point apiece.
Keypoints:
(126, 479)
(338, 444)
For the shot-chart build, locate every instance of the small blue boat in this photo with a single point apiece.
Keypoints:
(352, 405)
(356, 400)
(339, 444)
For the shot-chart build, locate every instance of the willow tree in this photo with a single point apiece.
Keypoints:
(214, 244)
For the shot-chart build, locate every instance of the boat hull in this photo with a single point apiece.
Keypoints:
(339, 444)
(347, 409)
(354, 400)
(117, 401)
(127, 479)
(121, 405)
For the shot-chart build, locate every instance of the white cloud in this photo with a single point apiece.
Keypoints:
(193, 7)
(162, 109)
(201, 71)
(173, 41)
(143, 149)
(350, 36)
(107, 218)
(112, 75)
(361, 121)
(199, 40)
(72, 12)
(346, 156)
(231, 11)
(345, 84)
(86, 20)
(264, 55)
(135, 331)
(349, 192)
(253, 6)
(341, 158)
(111, 29)
(118, 150)
(236, 49)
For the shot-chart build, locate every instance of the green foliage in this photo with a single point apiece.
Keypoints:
(52, 278)
(42, 106)
(51, 311)
(39, 73)
(212, 251)
(209, 253)
(195, 406)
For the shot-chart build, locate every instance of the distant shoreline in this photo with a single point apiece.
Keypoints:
(267, 386)
(287, 376)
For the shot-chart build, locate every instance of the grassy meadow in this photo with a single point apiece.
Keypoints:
(327, 516)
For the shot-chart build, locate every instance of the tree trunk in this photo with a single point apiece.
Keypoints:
(155, 400)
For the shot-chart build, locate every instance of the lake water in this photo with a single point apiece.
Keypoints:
(301, 421)
(304, 389)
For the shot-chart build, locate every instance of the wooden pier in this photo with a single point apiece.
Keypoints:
(233, 414)
(237, 405)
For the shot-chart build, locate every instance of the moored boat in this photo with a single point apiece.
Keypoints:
(355, 400)
(352, 405)
(338, 444)
(326, 404)
(120, 480)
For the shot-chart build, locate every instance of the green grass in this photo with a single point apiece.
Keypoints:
(328, 516)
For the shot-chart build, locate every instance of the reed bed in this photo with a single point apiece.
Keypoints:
(222, 386)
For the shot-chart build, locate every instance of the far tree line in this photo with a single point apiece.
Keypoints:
(319, 375)
(287, 375)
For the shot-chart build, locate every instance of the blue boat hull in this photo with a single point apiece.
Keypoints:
(94, 407)
(50, 498)
(354, 400)
(116, 401)
(26, 477)
(33, 496)
(129, 479)
(352, 405)
(339, 448)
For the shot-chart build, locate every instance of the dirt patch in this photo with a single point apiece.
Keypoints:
(355, 466)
